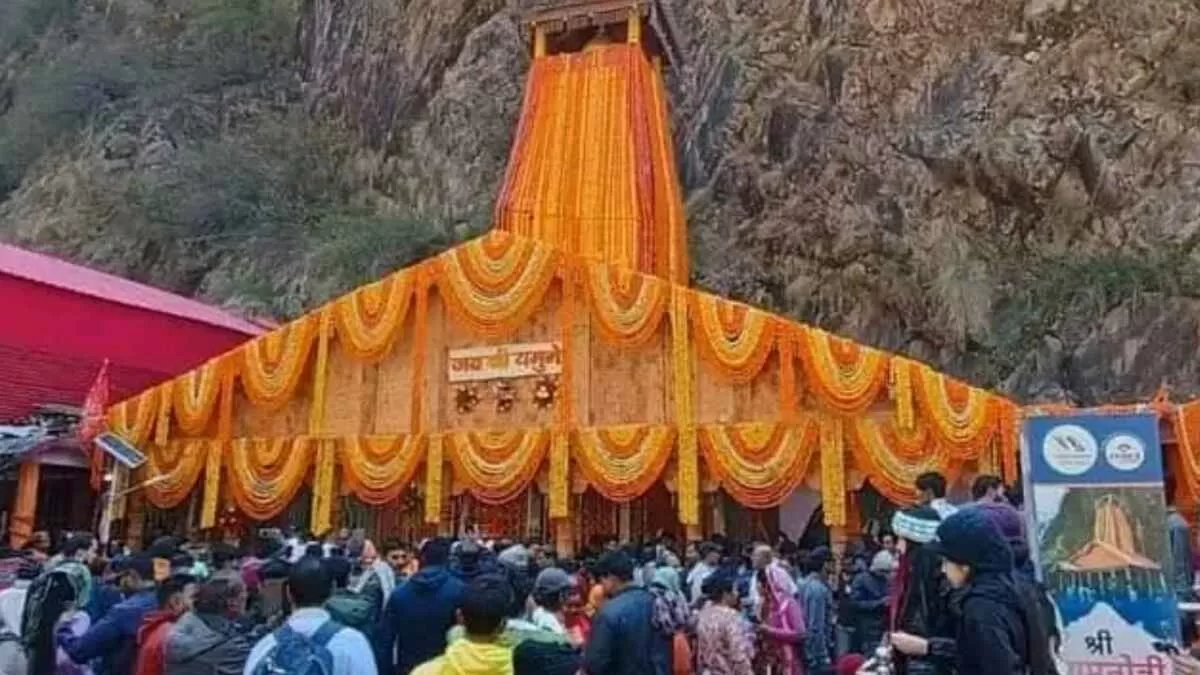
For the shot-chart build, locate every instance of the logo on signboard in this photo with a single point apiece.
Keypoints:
(1070, 449)
(1124, 452)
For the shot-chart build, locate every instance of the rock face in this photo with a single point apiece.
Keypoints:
(1009, 189)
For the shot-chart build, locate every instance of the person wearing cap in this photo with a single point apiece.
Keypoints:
(998, 632)
(919, 595)
(536, 654)
(113, 639)
(550, 591)
(816, 602)
(869, 602)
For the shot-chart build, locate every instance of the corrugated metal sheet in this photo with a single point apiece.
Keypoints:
(29, 378)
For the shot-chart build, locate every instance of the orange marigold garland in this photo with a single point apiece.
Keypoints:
(369, 320)
(687, 481)
(960, 416)
(194, 397)
(833, 470)
(322, 499)
(212, 484)
(789, 390)
(845, 375)
(273, 364)
(495, 283)
(134, 418)
(377, 469)
(560, 476)
(162, 427)
(434, 473)
(266, 474)
(176, 467)
(316, 408)
(495, 466)
(420, 347)
(902, 391)
(894, 476)
(735, 339)
(1008, 439)
(628, 306)
(759, 464)
(622, 462)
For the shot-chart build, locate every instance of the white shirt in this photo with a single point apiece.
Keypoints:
(547, 621)
(351, 652)
(696, 578)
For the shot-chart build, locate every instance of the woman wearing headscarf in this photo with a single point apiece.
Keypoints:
(780, 623)
(919, 595)
(53, 601)
(672, 617)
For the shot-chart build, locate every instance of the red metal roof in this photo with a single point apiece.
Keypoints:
(29, 378)
(44, 269)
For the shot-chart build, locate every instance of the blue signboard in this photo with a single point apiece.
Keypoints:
(1100, 537)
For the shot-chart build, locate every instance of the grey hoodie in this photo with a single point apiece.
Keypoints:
(206, 645)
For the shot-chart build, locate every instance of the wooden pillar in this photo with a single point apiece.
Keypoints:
(539, 41)
(24, 510)
(634, 23)
(564, 538)
(624, 523)
(135, 521)
(718, 513)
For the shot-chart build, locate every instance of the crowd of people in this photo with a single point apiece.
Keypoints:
(947, 589)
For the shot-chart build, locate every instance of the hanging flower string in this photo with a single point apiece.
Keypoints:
(622, 462)
(760, 464)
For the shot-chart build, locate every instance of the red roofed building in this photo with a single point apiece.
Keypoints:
(60, 321)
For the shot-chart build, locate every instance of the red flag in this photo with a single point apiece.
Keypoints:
(93, 424)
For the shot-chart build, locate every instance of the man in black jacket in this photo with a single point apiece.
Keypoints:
(623, 639)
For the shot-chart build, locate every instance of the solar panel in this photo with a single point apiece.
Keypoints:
(120, 450)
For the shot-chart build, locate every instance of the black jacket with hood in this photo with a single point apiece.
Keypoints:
(206, 645)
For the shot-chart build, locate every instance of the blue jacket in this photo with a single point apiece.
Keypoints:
(623, 640)
(417, 617)
(113, 639)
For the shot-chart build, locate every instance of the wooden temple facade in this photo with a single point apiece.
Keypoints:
(558, 368)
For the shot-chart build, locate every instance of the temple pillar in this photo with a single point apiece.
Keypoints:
(634, 23)
(539, 41)
(564, 538)
(24, 510)
(624, 522)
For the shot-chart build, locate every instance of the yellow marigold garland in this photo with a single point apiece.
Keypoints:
(628, 306)
(1008, 438)
(894, 476)
(194, 397)
(266, 474)
(622, 462)
(760, 464)
(212, 484)
(560, 474)
(687, 482)
(833, 470)
(162, 427)
(960, 416)
(434, 473)
(316, 407)
(369, 320)
(134, 418)
(845, 375)
(322, 499)
(273, 364)
(735, 339)
(495, 466)
(378, 468)
(495, 283)
(420, 347)
(176, 467)
(789, 390)
(902, 391)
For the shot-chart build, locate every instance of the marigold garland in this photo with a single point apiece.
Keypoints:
(567, 318)
(1007, 437)
(687, 483)
(872, 442)
(495, 466)
(789, 390)
(176, 467)
(273, 364)
(434, 473)
(960, 416)
(194, 397)
(420, 347)
(735, 339)
(628, 306)
(845, 375)
(495, 283)
(316, 407)
(266, 474)
(833, 470)
(377, 469)
(322, 500)
(369, 320)
(162, 427)
(902, 391)
(134, 418)
(760, 464)
(212, 484)
(622, 462)
(560, 476)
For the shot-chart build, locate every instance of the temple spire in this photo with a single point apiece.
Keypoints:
(592, 169)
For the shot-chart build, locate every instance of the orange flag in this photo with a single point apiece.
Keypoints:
(93, 424)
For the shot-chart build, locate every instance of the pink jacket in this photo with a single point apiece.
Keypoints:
(785, 623)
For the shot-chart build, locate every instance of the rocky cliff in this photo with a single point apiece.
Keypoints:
(1009, 189)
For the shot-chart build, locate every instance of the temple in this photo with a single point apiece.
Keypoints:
(560, 366)
(1113, 545)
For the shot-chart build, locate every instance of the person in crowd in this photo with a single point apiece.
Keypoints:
(13, 660)
(469, 561)
(550, 592)
(310, 635)
(710, 560)
(986, 489)
(551, 649)
(816, 602)
(378, 579)
(577, 620)
(38, 546)
(780, 623)
(52, 605)
(869, 602)
(673, 617)
(931, 488)
(105, 594)
(419, 612)
(485, 605)
(887, 542)
(223, 559)
(77, 552)
(723, 644)
(399, 557)
(919, 597)
(998, 632)
(207, 640)
(112, 641)
(1179, 535)
(623, 641)
(174, 599)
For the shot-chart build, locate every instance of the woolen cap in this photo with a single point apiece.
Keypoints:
(969, 538)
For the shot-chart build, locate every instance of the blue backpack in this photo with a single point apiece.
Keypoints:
(297, 654)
